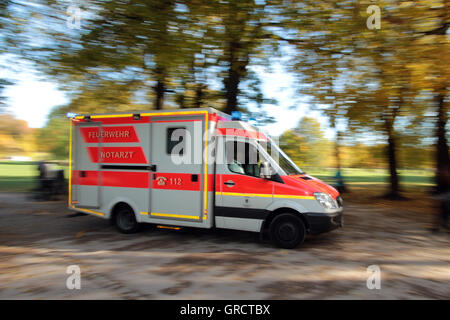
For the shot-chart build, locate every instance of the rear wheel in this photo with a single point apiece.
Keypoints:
(125, 220)
(287, 231)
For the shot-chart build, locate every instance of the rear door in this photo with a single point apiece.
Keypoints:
(177, 183)
(86, 179)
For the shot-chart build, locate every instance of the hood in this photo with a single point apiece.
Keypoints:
(310, 184)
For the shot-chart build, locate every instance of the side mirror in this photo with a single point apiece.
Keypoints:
(265, 170)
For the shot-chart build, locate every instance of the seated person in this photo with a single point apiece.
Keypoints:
(236, 166)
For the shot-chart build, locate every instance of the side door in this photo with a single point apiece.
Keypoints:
(177, 181)
(241, 193)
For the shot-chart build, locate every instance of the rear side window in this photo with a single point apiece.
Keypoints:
(174, 137)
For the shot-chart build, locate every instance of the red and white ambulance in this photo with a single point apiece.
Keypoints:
(194, 168)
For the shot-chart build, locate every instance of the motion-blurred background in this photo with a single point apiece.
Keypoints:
(353, 89)
(356, 91)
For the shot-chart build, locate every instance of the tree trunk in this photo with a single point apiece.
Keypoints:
(232, 80)
(337, 151)
(160, 88)
(442, 150)
(238, 59)
(394, 192)
(231, 93)
(163, 11)
(340, 184)
(181, 101)
(199, 94)
(180, 98)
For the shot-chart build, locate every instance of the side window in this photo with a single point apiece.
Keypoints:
(174, 137)
(243, 158)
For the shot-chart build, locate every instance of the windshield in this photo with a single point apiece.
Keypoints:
(280, 157)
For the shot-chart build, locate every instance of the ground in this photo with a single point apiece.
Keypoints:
(39, 240)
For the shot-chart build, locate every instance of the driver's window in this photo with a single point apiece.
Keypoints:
(243, 158)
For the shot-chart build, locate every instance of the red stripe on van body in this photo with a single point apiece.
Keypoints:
(248, 184)
(124, 179)
(117, 154)
(130, 179)
(176, 181)
(241, 133)
(186, 182)
(216, 118)
(245, 184)
(109, 134)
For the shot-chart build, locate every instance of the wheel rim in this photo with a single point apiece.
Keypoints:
(126, 220)
(287, 232)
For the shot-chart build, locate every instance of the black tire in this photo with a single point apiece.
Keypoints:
(125, 220)
(287, 231)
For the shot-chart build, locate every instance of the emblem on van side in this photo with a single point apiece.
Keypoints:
(161, 181)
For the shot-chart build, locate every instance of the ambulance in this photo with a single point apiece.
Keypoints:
(194, 168)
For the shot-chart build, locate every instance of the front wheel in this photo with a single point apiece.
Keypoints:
(125, 220)
(287, 231)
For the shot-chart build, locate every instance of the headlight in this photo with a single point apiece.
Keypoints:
(325, 200)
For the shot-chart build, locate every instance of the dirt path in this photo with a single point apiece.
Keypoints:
(38, 241)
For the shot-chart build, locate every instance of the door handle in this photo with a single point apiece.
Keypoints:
(229, 183)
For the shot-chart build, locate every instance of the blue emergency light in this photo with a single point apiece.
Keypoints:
(236, 115)
(71, 114)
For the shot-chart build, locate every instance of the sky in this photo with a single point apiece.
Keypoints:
(279, 85)
(32, 98)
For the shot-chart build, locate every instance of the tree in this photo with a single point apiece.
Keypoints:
(290, 143)
(54, 137)
(429, 23)
(306, 144)
(3, 84)
(130, 41)
(16, 138)
(361, 75)
(177, 48)
(8, 27)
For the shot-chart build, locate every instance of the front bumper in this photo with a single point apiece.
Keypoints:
(324, 222)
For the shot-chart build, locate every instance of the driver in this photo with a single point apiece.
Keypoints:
(236, 165)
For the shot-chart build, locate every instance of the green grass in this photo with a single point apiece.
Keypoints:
(408, 178)
(21, 176)
(18, 176)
